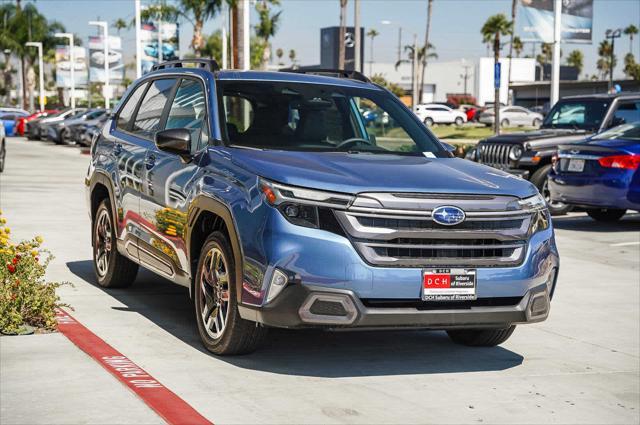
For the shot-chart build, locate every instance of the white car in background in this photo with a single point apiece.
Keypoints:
(433, 113)
(512, 116)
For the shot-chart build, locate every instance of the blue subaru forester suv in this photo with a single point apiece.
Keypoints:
(272, 198)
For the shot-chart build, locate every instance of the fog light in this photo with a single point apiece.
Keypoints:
(292, 211)
(278, 282)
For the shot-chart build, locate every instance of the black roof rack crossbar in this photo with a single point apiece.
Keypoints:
(338, 73)
(209, 64)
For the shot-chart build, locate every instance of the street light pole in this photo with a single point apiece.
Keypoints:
(72, 59)
(399, 37)
(40, 70)
(105, 45)
(358, 41)
(612, 34)
(138, 22)
(555, 64)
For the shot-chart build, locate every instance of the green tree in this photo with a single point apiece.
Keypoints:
(631, 67)
(372, 33)
(576, 59)
(292, 57)
(266, 28)
(493, 29)
(631, 31)
(198, 12)
(119, 24)
(425, 47)
(518, 46)
(392, 87)
(607, 61)
(279, 55)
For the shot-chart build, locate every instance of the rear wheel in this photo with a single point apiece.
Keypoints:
(541, 180)
(459, 121)
(428, 122)
(504, 123)
(481, 337)
(221, 328)
(112, 269)
(606, 215)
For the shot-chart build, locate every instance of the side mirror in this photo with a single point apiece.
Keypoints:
(176, 141)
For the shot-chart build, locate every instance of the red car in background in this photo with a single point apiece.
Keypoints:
(21, 122)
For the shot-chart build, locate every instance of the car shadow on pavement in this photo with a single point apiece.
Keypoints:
(313, 353)
(584, 223)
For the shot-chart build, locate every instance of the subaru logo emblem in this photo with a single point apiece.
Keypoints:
(448, 216)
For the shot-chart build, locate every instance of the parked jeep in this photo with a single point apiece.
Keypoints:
(266, 194)
(528, 154)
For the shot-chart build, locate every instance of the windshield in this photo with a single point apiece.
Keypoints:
(577, 114)
(624, 132)
(325, 118)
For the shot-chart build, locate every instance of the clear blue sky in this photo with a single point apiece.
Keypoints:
(455, 30)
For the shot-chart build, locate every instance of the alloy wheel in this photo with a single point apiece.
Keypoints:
(214, 293)
(103, 244)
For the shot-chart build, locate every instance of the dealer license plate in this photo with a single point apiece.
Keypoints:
(576, 165)
(449, 284)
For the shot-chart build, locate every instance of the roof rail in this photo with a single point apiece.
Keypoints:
(338, 73)
(208, 64)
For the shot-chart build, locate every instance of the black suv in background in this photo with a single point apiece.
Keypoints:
(528, 154)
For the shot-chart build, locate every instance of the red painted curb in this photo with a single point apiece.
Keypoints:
(162, 400)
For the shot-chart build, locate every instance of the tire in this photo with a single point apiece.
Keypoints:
(112, 269)
(504, 123)
(226, 333)
(428, 122)
(459, 121)
(536, 122)
(606, 215)
(3, 155)
(540, 179)
(481, 337)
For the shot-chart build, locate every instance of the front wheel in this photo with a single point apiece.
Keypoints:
(221, 328)
(606, 215)
(459, 121)
(540, 179)
(428, 122)
(504, 123)
(481, 337)
(113, 270)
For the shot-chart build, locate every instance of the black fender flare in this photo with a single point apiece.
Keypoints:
(204, 203)
(101, 177)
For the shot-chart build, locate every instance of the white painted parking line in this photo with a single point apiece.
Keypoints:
(625, 243)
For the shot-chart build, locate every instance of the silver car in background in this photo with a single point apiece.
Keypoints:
(512, 116)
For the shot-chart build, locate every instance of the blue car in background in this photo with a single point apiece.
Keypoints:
(9, 119)
(600, 174)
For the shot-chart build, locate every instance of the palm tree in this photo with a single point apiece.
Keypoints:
(197, 12)
(159, 13)
(495, 27)
(606, 61)
(426, 46)
(514, 9)
(119, 24)
(372, 33)
(631, 30)
(343, 31)
(422, 53)
(279, 55)
(266, 28)
(576, 59)
(292, 57)
(518, 46)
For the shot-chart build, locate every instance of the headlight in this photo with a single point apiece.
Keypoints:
(515, 153)
(540, 218)
(301, 205)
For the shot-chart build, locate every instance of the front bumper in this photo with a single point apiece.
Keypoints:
(301, 306)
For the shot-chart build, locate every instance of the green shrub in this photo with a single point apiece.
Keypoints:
(26, 298)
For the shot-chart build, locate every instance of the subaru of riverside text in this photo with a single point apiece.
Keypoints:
(272, 198)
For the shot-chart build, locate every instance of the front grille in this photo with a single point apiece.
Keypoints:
(494, 154)
(409, 224)
(492, 235)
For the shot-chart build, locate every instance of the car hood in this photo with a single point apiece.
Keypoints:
(356, 173)
(540, 138)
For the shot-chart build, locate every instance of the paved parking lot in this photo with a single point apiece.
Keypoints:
(580, 366)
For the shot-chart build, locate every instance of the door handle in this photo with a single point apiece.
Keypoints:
(150, 162)
(117, 149)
